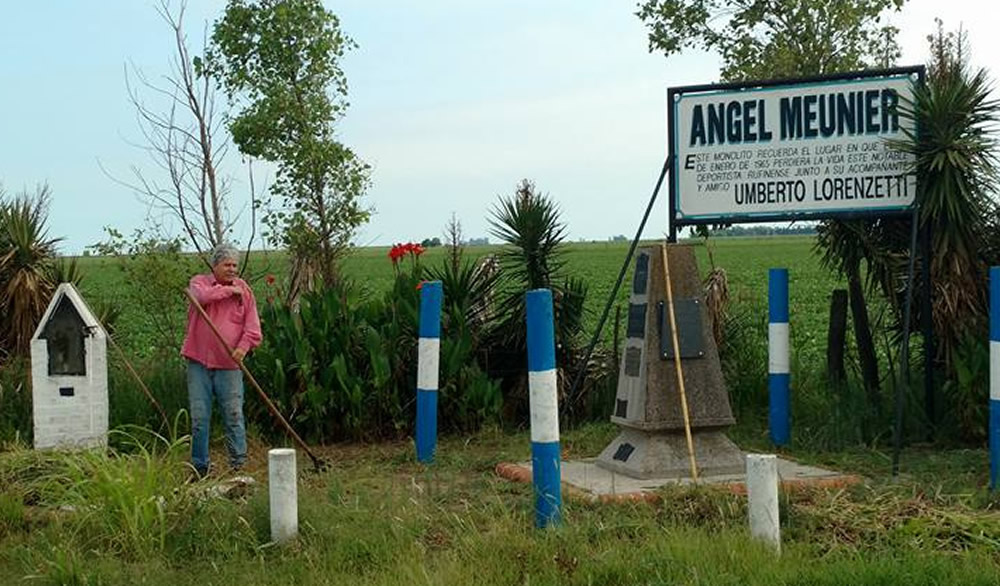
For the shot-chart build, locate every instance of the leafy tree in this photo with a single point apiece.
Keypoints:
(155, 270)
(279, 62)
(761, 39)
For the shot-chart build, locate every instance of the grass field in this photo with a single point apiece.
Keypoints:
(378, 517)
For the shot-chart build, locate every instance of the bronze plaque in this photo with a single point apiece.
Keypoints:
(690, 335)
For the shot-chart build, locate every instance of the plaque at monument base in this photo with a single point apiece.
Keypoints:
(652, 443)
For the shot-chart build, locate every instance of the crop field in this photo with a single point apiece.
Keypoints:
(745, 260)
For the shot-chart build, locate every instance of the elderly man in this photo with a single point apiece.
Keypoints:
(212, 371)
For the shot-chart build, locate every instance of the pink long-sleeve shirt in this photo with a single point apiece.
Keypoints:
(236, 319)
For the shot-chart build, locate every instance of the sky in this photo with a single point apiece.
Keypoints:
(453, 102)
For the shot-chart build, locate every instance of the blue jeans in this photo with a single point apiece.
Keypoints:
(227, 387)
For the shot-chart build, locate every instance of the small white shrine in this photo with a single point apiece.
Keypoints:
(69, 375)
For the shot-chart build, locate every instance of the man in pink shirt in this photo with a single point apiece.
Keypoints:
(212, 371)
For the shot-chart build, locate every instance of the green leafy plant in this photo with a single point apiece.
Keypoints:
(155, 271)
(955, 149)
(15, 401)
(341, 366)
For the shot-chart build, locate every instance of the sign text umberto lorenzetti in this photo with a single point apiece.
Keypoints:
(771, 151)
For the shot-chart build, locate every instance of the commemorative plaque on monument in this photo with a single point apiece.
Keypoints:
(647, 407)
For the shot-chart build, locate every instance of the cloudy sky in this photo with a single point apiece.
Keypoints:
(452, 103)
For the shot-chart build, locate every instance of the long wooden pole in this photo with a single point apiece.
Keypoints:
(317, 463)
(677, 363)
(142, 385)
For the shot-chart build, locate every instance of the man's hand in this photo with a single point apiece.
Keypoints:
(238, 354)
(237, 291)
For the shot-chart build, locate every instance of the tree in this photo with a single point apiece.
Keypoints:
(279, 62)
(762, 39)
(182, 137)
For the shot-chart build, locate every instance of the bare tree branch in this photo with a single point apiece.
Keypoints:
(183, 142)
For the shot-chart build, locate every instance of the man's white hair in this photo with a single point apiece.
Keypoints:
(223, 251)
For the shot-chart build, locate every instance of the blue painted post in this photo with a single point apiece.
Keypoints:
(544, 408)
(428, 352)
(777, 354)
(994, 376)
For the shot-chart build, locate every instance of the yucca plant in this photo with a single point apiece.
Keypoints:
(26, 256)
(529, 225)
(533, 258)
(955, 153)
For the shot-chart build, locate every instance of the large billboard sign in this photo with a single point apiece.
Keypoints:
(781, 150)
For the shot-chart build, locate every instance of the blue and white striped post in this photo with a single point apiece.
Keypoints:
(544, 407)
(777, 355)
(994, 376)
(428, 351)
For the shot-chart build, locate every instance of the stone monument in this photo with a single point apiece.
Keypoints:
(69, 375)
(652, 442)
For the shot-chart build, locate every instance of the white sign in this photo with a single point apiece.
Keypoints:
(770, 152)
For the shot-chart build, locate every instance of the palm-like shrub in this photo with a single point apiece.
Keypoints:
(533, 258)
(26, 266)
(956, 162)
(529, 225)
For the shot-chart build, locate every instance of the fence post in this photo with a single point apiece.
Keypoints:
(428, 361)
(283, 494)
(762, 498)
(994, 376)
(778, 357)
(544, 407)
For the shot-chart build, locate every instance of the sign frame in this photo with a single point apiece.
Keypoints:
(674, 94)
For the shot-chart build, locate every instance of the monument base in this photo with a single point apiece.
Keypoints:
(661, 454)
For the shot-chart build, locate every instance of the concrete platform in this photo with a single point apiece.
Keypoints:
(584, 478)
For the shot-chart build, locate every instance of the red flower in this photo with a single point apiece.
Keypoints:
(420, 285)
(398, 251)
(269, 279)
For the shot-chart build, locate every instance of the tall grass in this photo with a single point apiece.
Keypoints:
(378, 517)
(15, 401)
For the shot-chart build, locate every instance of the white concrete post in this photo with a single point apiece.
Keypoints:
(283, 493)
(762, 496)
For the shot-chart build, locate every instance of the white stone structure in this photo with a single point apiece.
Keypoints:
(283, 494)
(69, 375)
